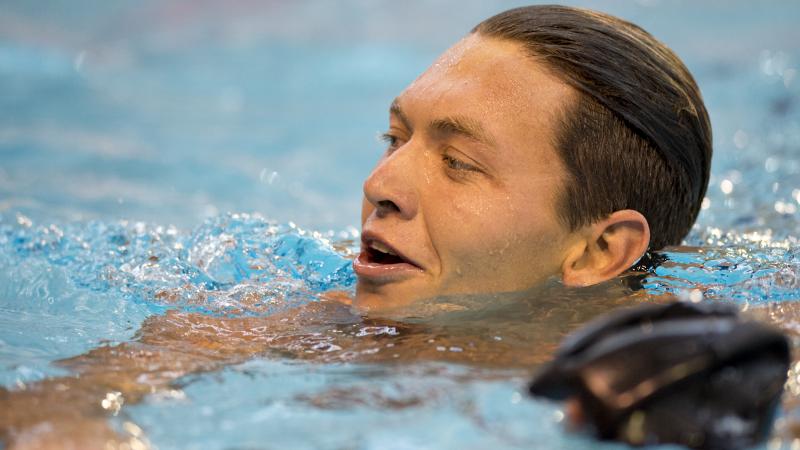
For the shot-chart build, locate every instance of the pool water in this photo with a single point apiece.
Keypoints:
(171, 172)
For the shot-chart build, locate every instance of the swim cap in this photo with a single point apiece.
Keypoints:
(691, 374)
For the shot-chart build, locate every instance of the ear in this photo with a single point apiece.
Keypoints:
(606, 248)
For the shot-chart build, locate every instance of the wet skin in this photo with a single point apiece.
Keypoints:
(466, 193)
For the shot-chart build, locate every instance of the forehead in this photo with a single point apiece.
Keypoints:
(496, 82)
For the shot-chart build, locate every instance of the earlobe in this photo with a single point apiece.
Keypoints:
(607, 248)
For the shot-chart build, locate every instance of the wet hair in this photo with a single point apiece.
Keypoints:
(638, 135)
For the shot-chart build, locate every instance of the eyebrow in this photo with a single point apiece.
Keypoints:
(454, 125)
(462, 126)
(397, 111)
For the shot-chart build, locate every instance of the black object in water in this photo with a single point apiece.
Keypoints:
(691, 374)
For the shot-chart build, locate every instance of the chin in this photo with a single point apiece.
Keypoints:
(377, 299)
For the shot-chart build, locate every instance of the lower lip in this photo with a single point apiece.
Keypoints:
(383, 273)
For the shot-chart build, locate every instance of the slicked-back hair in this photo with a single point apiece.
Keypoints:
(638, 136)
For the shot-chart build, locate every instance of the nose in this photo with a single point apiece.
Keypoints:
(391, 187)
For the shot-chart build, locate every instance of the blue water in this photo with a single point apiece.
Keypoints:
(472, 415)
(218, 150)
(98, 281)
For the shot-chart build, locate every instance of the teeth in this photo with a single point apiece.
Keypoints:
(381, 248)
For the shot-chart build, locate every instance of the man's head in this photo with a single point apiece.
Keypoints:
(550, 142)
(638, 136)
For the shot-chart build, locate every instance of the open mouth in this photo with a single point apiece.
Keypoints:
(380, 263)
(378, 253)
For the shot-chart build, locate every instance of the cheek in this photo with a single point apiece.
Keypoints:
(467, 230)
(495, 240)
(466, 205)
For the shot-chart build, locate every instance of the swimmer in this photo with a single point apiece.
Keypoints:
(551, 146)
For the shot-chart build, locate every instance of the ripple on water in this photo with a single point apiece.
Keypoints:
(66, 288)
(741, 267)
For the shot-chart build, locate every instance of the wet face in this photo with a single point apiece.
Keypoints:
(464, 198)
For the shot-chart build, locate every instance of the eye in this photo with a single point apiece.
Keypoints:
(458, 165)
(392, 141)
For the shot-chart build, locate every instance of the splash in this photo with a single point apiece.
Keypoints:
(66, 288)
(746, 268)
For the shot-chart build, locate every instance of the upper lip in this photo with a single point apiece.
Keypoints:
(368, 237)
